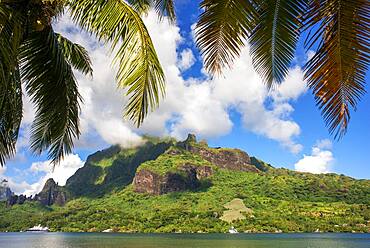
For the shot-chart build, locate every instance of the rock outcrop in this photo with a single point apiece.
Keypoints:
(5, 192)
(232, 159)
(186, 178)
(18, 199)
(51, 194)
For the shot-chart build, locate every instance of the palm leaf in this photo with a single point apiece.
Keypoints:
(162, 7)
(165, 8)
(11, 33)
(336, 74)
(274, 39)
(139, 68)
(140, 6)
(76, 55)
(10, 114)
(53, 90)
(222, 30)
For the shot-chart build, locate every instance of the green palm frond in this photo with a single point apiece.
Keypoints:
(140, 6)
(139, 68)
(274, 39)
(336, 74)
(11, 33)
(76, 55)
(165, 8)
(10, 113)
(222, 30)
(53, 90)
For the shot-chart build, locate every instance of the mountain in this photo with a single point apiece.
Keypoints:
(5, 192)
(169, 186)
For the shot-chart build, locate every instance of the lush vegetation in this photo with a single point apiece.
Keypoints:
(114, 168)
(274, 200)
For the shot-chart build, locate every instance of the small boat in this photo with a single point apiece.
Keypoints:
(233, 230)
(38, 228)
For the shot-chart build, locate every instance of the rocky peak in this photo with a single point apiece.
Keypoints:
(50, 183)
(191, 138)
(51, 194)
(233, 159)
(5, 192)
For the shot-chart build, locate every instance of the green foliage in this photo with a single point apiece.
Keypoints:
(33, 54)
(268, 201)
(291, 202)
(118, 24)
(170, 163)
(336, 31)
(53, 89)
(112, 169)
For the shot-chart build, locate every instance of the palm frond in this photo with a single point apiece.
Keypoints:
(336, 74)
(53, 90)
(76, 55)
(222, 30)
(165, 8)
(140, 6)
(139, 68)
(10, 113)
(274, 39)
(11, 33)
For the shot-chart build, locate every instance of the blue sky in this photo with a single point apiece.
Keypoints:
(299, 140)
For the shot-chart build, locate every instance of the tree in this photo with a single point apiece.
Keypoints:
(337, 29)
(35, 58)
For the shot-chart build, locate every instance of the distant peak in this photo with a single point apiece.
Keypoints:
(50, 183)
(191, 138)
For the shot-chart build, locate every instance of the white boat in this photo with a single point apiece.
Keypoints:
(233, 230)
(108, 231)
(38, 228)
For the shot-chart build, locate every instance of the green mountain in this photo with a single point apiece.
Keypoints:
(170, 186)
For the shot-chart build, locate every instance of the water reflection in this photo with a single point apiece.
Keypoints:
(91, 240)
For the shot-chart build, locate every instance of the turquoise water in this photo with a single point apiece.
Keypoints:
(107, 240)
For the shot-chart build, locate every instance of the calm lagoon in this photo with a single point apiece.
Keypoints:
(108, 240)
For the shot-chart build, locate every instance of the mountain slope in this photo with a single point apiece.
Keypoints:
(168, 186)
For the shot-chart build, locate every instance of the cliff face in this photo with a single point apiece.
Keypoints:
(51, 194)
(5, 192)
(188, 177)
(180, 173)
(232, 159)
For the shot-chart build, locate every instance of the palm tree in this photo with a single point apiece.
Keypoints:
(35, 58)
(339, 31)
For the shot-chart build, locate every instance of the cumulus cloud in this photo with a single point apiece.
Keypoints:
(198, 105)
(186, 59)
(2, 170)
(195, 105)
(319, 161)
(44, 170)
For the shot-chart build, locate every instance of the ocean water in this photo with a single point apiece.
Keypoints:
(110, 240)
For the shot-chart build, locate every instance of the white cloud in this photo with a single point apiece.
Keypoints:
(24, 187)
(194, 105)
(186, 59)
(324, 144)
(2, 169)
(44, 170)
(200, 106)
(60, 173)
(320, 159)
